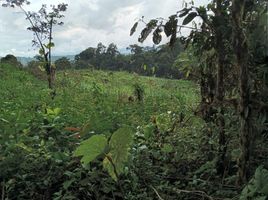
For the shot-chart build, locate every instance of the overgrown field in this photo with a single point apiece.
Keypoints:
(103, 100)
(38, 135)
(113, 135)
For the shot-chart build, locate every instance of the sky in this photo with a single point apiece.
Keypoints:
(86, 23)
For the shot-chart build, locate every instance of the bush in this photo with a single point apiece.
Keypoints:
(36, 70)
(12, 60)
(63, 64)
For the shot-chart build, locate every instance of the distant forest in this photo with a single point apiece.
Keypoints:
(149, 61)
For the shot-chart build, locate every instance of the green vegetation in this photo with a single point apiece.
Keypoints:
(38, 133)
(117, 135)
(149, 61)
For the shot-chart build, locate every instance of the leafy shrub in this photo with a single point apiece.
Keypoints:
(138, 92)
(114, 150)
(257, 188)
(33, 160)
(12, 60)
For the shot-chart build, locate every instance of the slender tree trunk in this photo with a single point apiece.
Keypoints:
(241, 51)
(52, 70)
(207, 87)
(221, 62)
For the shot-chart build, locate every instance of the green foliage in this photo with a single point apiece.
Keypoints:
(117, 155)
(189, 18)
(257, 188)
(91, 148)
(33, 157)
(119, 145)
(133, 29)
(149, 61)
(11, 60)
(163, 146)
(63, 63)
(157, 37)
(147, 30)
(138, 92)
(164, 150)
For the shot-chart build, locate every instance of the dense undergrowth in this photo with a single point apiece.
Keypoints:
(171, 156)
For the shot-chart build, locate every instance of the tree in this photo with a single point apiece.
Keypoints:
(111, 55)
(86, 58)
(211, 40)
(100, 51)
(241, 53)
(14, 3)
(11, 59)
(41, 24)
(63, 63)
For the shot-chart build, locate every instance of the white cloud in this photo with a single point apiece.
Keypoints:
(87, 22)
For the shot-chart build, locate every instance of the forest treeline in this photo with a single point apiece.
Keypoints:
(149, 61)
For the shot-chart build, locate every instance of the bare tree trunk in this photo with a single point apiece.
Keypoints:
(221, 62)
(241, 51)
(52, 70)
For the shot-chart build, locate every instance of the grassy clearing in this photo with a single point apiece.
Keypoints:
(105, 100)
(38, 135)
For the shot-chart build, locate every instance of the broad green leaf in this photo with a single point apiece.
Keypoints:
(91, 148)
(133, 29)
(147, 30)
(41, 52)
(170, 28)
(55, 111)
(144, 67)
(109, 166)
(257, 186)
(189, 18)
(68, 183)
(144, 34)
(157, 37)
(262, 180)
(120, 143)
(149, 130)
(50, 45)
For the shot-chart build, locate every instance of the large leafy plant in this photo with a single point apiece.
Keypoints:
(257, 187)
(114, 150)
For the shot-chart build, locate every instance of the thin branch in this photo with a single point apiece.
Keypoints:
(31, 22)
(180, 26)
(50, 39)
(159, 197)
(189, 27)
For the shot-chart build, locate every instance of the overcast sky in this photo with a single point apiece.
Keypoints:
(87, 22)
